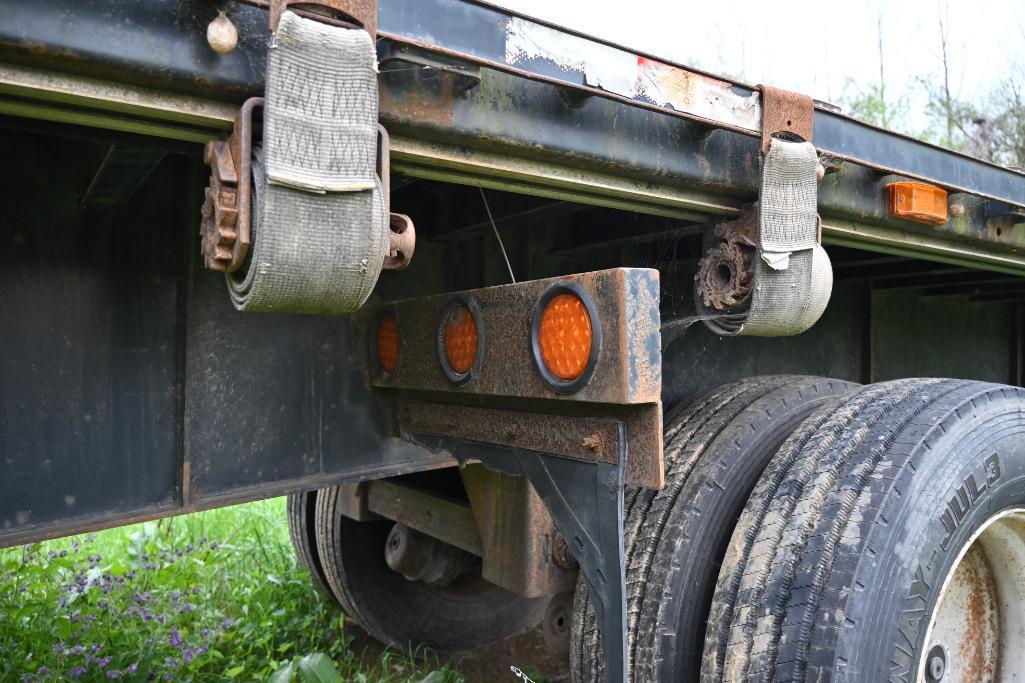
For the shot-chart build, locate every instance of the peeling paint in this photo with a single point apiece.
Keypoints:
(602, 66)
(623, 73)
(693, 93)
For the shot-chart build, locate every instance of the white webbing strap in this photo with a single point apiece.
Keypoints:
(793, 277)
(319, 220)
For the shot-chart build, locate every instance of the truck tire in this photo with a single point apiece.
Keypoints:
(885, 542)
(715, 450)
(468, 613)
(302, 509)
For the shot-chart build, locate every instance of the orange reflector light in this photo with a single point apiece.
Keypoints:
(388, 344)
(565, 336)
(460, 339)
(917, 202)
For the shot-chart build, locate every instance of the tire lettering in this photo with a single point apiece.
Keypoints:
(919, 586)
(960, 504)
(992, 465)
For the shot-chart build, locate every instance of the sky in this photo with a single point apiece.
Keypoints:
(824, 48)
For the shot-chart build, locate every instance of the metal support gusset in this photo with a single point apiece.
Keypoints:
(585, 499)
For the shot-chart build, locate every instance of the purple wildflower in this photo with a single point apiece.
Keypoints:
(104, 663)
(58, 648)
(113, 673)
(176, 637)
(214, 545)
(167, 677)
(76, 672)
(227, 623)
(132, 669)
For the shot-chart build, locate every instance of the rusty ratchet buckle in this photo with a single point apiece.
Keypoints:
(227, 202)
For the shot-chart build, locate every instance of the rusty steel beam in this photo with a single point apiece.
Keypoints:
(523, 551)
(590, 435)
(463, 35)
(437, 516)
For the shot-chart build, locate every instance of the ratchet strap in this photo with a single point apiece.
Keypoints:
(791, 275)
(320, 214)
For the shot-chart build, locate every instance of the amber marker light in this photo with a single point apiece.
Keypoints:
(460, 339)
(917, 202)
(388, 343)
(565, 337)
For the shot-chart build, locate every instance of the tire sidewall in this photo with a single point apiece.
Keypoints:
(745, 449)
(920, 531)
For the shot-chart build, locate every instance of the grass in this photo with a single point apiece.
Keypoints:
(205, 597)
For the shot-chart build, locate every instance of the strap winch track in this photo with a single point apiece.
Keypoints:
(320, 217)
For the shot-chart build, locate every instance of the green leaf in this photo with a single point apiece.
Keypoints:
(235, 671)
(318, 668)
(283, 674)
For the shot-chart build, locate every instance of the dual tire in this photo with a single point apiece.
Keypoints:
(885, 542)
(715, 450)
(882, 538)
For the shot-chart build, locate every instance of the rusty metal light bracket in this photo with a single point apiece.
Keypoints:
(624, 386)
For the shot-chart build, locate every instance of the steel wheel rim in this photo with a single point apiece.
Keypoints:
(978, 623)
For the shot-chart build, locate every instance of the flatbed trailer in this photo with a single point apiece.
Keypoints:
(729, 539)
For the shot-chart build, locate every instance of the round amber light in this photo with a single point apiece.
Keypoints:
(388, 344)
(460, 339)
(565, 336)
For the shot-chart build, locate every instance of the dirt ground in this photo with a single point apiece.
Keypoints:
(492, 664)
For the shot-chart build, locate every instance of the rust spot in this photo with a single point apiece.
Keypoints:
(593, 443)
(419, 95)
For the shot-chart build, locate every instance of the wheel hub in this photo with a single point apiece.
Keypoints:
(979, 620)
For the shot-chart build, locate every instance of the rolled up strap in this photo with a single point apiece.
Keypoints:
(793, 277)
(320, 217)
